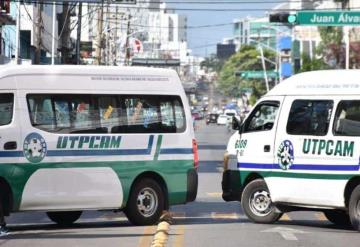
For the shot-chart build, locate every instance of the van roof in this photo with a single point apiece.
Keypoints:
(78, 77)
(322, 82)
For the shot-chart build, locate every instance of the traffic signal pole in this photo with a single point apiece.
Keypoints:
(264, 68)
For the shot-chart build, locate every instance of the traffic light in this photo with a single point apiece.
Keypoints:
(283, 18)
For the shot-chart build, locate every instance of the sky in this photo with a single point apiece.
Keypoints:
(202, 41)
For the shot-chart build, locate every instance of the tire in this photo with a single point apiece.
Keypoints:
(64, 218)
(256, 203)
(148, 192)
(338, 217)
(354, 208)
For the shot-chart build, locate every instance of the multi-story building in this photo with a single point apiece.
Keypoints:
(253, 31)
(6, 50)
(29, 21)
(147, 28)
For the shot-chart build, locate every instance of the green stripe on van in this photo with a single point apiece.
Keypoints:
(158, 147)
(174, 173)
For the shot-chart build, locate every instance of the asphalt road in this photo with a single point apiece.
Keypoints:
(209, 221)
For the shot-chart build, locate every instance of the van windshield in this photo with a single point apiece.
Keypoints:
(6, 108)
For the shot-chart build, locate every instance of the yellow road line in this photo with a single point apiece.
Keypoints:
(146, 239)
(214, 194)
(285, 217)
(321, 216)
(180, 236)
(224, 216)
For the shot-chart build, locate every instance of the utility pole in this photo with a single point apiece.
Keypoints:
(17, 45)
(38, 28)
(53, 35)
(65, 33)
(115, 35)
(127, 51)
(78, 34)
(108, 31)
(100, 31)
(346, 33)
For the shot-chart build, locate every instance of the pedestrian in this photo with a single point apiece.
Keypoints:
(3, 229)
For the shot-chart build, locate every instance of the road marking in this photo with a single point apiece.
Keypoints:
(180, 236)
(215, 194)
(217, 216)
(286, 232)
(285, 217)
(321, 216)
(146, 239)
(220, 169)
(178, 215)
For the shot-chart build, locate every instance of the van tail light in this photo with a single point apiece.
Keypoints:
(196, 153)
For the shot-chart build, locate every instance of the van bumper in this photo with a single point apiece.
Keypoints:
(231, 185)
(192, 185)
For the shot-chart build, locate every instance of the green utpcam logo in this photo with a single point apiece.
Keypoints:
(34, 148)
(285, 154)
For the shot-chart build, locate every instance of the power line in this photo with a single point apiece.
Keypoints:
(195, 9)
(184, 2)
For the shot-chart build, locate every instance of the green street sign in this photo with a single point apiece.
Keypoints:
(256, 74)
(328, 18)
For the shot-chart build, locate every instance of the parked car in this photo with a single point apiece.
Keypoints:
(196, 115)
(212, 118)
(222, 120)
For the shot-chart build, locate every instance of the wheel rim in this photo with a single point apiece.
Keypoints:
(147, 202)
(260, 203)
(358, 208)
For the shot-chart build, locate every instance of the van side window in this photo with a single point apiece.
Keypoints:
(6, 108)
(262, 118)
(309, 117)
(107, 113)
(347, 118)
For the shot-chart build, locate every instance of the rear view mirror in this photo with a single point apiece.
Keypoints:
(236, 123)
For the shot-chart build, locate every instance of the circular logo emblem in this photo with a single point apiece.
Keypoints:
(285, 154)
(34, 148)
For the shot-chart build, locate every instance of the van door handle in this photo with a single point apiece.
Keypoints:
(10, 146)
(267, 148)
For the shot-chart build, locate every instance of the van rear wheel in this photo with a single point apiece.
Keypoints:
(146, 203)
(256, 203)
(338, 217)
(354, 208)
(65, 218)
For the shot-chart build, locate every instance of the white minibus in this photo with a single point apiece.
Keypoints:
(76, 138)
(299, 149)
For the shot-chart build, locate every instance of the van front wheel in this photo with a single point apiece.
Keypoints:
(354, 208)
(146, 203)
(64, 218)
(257, 204)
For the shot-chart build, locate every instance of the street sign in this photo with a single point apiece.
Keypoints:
(328, 18)
(256, 74)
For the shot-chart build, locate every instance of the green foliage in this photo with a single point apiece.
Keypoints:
(212, 63)
(309, 64)
(331, 48)
(245, 59)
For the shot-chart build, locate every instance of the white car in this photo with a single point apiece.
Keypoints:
(222, 120)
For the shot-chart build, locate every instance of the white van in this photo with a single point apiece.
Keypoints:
(76, 138)
(299, 148)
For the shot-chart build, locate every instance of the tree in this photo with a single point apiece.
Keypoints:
(212, 63)
(331, 48)
(309, 64)
(245, 59)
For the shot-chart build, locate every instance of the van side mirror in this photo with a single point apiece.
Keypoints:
(236, 123)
